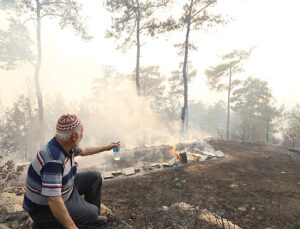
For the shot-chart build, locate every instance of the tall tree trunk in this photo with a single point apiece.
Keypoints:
(25, 156)
(29, 125)
(267, 123)
(26, 147)
(186, 133)
(187, 107)
(228, 106)
(138, 50)
(37, 72)
(184, 71)
(293, 143)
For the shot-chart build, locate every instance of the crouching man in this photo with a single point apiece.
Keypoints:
(53, 188)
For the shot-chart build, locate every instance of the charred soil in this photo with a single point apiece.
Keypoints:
(254, 186)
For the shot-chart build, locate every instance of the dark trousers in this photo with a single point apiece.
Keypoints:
(84, 212)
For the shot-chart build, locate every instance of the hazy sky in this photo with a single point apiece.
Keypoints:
(70, 64)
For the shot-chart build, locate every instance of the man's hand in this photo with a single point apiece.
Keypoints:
(112, 145)
(105, 210)
(73, 227)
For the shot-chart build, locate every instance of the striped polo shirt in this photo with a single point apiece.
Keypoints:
(51, 173)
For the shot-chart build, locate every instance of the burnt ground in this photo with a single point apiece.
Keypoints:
(254, 186)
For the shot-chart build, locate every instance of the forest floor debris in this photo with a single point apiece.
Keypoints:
(246, 189)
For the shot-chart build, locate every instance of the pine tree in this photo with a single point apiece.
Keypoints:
(255, 104)
(219, 74)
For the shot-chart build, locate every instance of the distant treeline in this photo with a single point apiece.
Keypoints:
(255, 116)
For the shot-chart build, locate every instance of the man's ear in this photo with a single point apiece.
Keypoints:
(74, 136)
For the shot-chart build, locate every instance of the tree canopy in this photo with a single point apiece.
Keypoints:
(15, 45)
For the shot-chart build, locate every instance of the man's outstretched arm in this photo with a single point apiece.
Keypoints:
(94, 150)
(60, 212)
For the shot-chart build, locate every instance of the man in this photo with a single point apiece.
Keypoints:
(53, 188)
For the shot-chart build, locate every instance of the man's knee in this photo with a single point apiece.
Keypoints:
(97, 176)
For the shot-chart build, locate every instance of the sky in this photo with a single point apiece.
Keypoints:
(69, 64)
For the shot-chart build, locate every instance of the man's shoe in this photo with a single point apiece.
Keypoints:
(101, 220)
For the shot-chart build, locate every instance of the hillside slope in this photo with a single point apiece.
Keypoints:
(254, 186)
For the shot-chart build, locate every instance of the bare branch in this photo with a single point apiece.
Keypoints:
(56, 3)
(158, 4)
(56, 15)
(203, 8)
(27, 20)
(31, 63)
(127, 18)
(132, 31)
(129, 37)
(150, 26)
